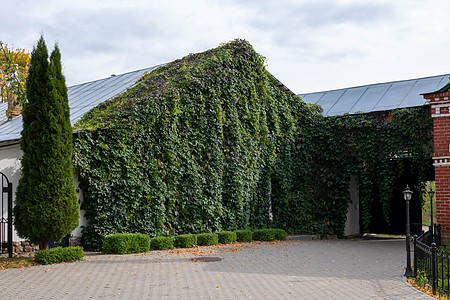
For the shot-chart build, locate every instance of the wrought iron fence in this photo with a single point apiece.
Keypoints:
(430, 263)
(416, 228)
(6, 202)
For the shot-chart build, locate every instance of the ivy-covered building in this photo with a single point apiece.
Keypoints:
(213, 141)
(383, 101)
(82, 98)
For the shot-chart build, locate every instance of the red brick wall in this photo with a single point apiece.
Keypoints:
(442, 174)
(440, 104)
(441, 136)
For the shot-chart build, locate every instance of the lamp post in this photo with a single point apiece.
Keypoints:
(431, 195)
(407, 194)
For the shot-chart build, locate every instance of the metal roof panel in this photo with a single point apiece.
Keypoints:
(420, 85)
(3, 108)
(82, 98)
(312, 98)
(328, 100)
(395, 95)
(348, 99)
(377, 97)
(370, 98)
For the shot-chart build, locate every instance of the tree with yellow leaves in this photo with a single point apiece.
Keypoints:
(14, 65)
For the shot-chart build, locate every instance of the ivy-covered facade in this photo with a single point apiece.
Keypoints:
(211, 142)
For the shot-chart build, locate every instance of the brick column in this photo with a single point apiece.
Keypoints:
(13, 111)
(440, 103)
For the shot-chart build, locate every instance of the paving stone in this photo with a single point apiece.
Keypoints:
(340, 269)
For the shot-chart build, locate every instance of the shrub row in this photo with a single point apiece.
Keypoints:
(267, 235)
(125, 243)
(185, 241)
(161, 243)
(58, 255)
(226, 237)
(207, 239)
(244, 236)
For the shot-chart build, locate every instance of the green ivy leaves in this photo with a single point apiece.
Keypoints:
(210, 143)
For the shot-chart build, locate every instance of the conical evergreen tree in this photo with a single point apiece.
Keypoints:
(68, 212)
(46, 206)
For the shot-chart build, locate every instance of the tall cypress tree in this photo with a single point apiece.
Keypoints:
(46, 205)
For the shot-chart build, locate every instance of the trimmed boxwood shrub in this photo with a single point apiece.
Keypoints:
(280, 234)
(268, 235)
(264, 235)
(125, 243)
(244, 236)
(185, 241)
(58, 255)
(226, 237)
(207, 239)
(161, 243)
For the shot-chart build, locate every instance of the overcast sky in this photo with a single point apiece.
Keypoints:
(310, 45)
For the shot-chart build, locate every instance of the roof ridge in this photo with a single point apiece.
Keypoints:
(114, 75)
(372, 84)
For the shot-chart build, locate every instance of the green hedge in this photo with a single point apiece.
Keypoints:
(207, 239)
(264, 235)
(125, 243)
(268, 235)
(58, 255)
(161, 243)
(226, 237)
(185, 241)
(280, 234)
(244, 236)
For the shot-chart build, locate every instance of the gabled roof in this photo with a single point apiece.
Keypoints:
(82, 98)
(376, 97)
(360, 99)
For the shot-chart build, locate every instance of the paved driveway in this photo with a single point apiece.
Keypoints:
(342, 269)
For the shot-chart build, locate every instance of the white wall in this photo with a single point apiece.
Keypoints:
(82, 220)
(10, 166)
(352, 223)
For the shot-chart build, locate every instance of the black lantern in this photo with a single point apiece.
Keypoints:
(407, 194)
(431, 195)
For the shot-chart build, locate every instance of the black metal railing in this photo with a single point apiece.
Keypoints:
(416, 228)
(6, 202)
(431, 264)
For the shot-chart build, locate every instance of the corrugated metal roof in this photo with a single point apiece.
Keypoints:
(376, 97)
(360, 99)
(82, 98)
(3, 107)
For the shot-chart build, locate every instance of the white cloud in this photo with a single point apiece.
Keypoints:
(310, 45)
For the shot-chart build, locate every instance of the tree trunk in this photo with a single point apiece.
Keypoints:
(43, 245)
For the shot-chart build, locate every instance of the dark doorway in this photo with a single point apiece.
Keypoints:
(406, 174)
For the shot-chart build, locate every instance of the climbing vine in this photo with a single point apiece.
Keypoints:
(380, 145)
(211, 142)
